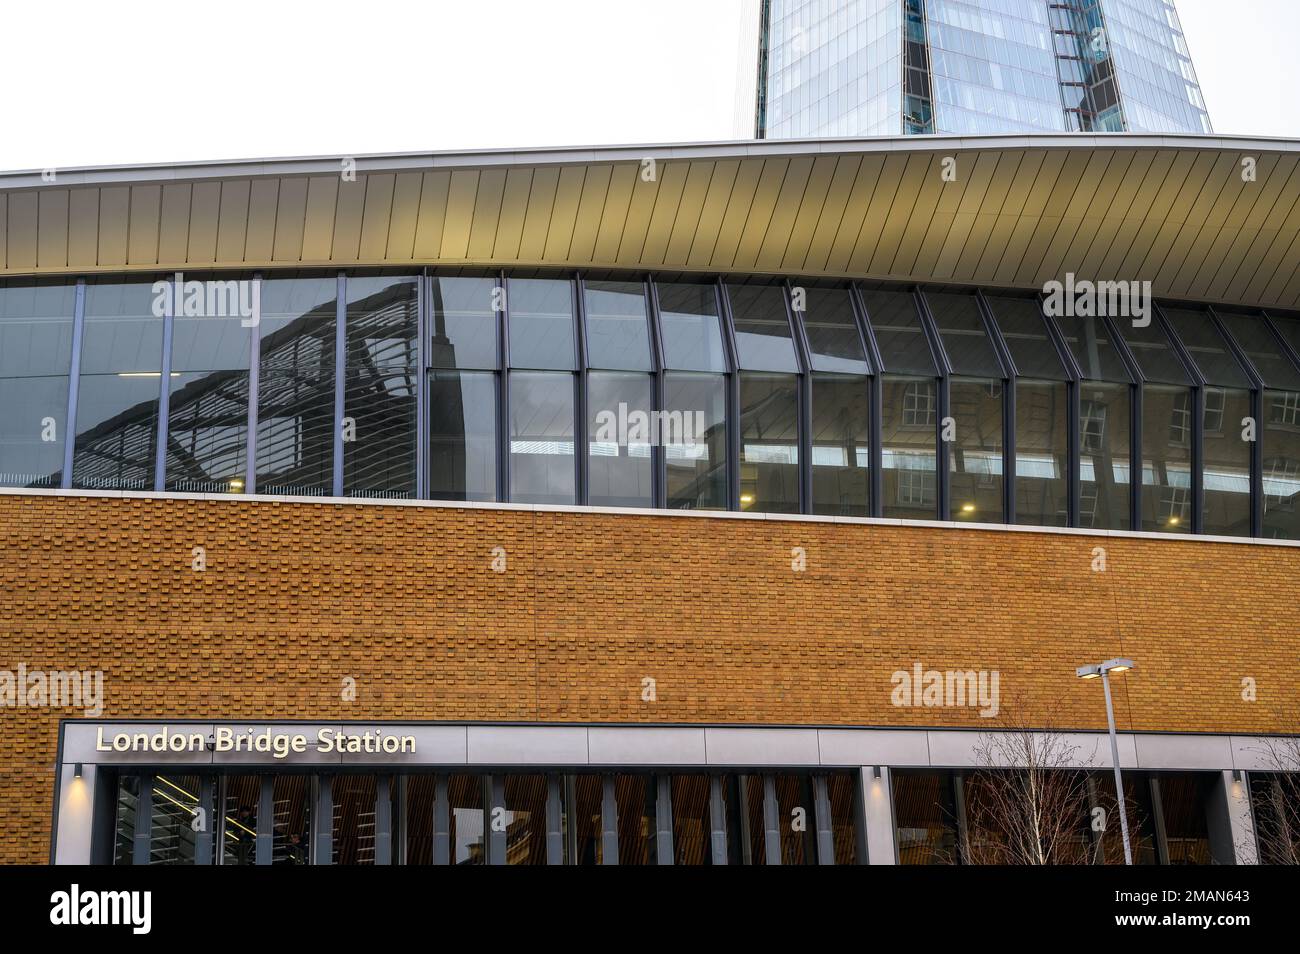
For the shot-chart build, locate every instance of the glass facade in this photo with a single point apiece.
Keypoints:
(843, 399)
(973, 67)
(361, 817)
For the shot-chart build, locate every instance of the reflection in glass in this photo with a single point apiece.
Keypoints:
(295, 416)
(379, 431)
(465, 815)
(32, 428)
(621, 432)
(354, 819)
(903, 345)
(692, 827)
(462, 435)
(117, 425)
(976, 455)
(834, 342)
(291, 829)
(171, 832)
(634, 797)
(207, 432)
(464, 333)
(697, 467)
(769, 443)
(524, 817)
(965, 339)
(688, 315)
(1226, 455)
(842, 792)
(35, 356)
(582, 799)
(841, 444)
(128, 799)
(541, 438)
(925, 818)
(797, 817)
(1166, 458)
(417, 819)
(1184, 801)
(909, 412)
(618, 335)
(239, 819)
(763, 341)
(1105, 479)
(1042, 453)
(1281, 450)
(541, 323)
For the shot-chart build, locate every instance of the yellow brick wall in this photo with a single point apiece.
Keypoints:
(297, 597)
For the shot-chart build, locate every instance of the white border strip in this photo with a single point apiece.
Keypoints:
(648, 512)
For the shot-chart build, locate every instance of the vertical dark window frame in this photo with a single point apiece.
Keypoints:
(943, 455)
(802, 352)
(658, 456)
(872, 351)
(74, 375)
(1009, 375)
(1074, 437)
(723, 301)
(340, 379)
(581, 444)
(503, 384)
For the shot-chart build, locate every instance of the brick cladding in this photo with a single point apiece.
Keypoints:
(298, 596)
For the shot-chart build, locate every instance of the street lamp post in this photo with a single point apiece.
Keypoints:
(1104, 669)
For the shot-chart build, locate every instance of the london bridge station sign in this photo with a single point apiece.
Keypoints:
(190, 742)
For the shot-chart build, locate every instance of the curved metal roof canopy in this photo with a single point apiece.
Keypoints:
(1019, 211)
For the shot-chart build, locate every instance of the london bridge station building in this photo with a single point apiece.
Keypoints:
(711, 504)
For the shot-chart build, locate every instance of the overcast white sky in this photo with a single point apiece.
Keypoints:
(95, 83)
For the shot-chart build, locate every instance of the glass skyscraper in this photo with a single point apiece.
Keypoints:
(969, 67)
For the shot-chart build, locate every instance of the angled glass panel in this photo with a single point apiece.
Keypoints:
(696, 464)
(1288, 325)
(841, 444)
(965, 338)
(463, 435)
(618, 328)
(1167, 422)
(692, 332)
(541, 323)
(1262, 350)
(769, 439)
(1096, 354)
(621, 431)
(463, 323)
(1155, 355)
(975, 456)
(1105, 441)
(1208, 349)
(541, 438)
(1025, 331)
(763, 340)
(35, 357)
(909, 415)
(904, 348)
(834, 341)
(381, 322)
(1042, 453)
